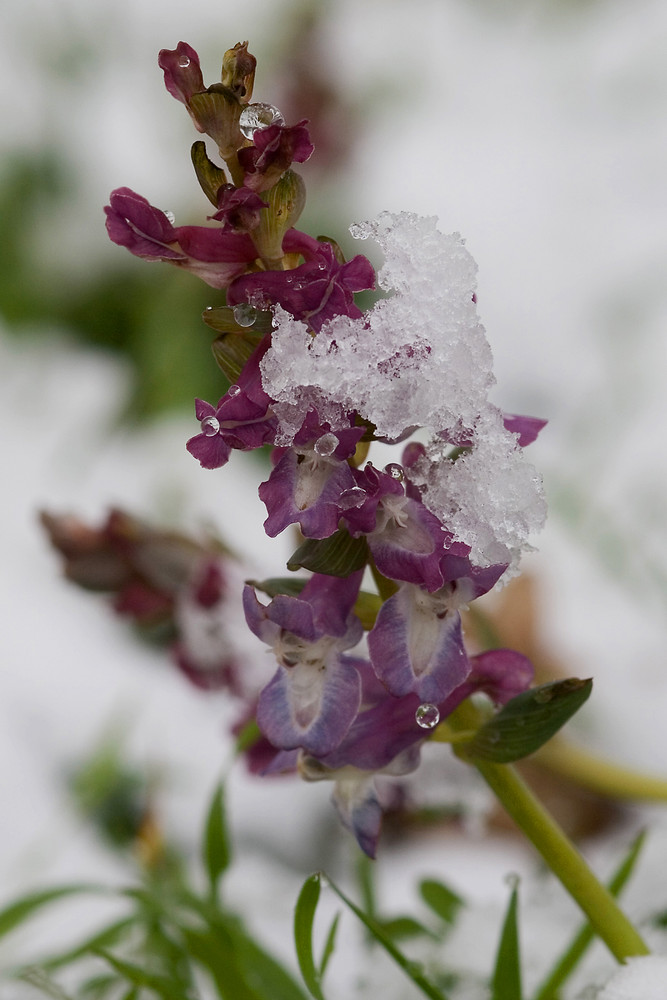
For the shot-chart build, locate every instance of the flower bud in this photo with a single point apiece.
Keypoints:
(238, 71)
(285, 203)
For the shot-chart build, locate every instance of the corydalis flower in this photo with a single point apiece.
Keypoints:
(216, 256)
(315, 694)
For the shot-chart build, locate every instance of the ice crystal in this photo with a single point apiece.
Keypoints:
(417, 359)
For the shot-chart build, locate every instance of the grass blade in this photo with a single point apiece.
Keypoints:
(411, 969)
(304, 916)
(506, 982)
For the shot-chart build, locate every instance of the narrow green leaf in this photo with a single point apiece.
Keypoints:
(216, 847)
(162, 985)
(23, 908)
(36, 976)
(585, 936)
(101, 939)
(216, 952)
(526, 722)
(329, 945)
(411, 969)
(338, 555)
(241, 969)
(400, 928)
(304, 915)
(506, 982)
(441, 899)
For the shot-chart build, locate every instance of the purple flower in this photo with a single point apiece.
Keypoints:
(526, 427)
(314, 292)
(182, 72)
(306, 485)
(238, 208)
(314, 696)
(275, 149)
(385, 738)
(242, 419)
(215, 255)
(406, 540)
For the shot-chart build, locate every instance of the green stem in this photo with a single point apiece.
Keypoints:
(559, 853)
(550, 988)
(599, 775)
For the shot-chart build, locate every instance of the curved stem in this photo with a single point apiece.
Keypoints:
(600, 775)
(557, 850)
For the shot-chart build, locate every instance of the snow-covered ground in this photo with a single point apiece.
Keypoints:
(537, 131)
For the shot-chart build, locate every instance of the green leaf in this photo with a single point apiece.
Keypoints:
(162, 985)
(338, 555)
(411, 969)
(211, 177)
(304, 915)
(526, 722)
(329, 945)
(101, 939)
(506, 982)
(216, 848)
(23, 908)
(400, 928)
(216, 952)
(221, 319)
(441, 899)
(232, 351)
(36, 976)
(290, 585)
(241, 969)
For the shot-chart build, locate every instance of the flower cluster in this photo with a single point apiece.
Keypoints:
(320, 380)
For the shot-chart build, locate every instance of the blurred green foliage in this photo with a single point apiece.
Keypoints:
(151, 315)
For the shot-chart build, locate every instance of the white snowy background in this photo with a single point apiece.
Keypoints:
(538, 131)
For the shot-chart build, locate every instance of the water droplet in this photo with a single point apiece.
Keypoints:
(395, 471)
(244, 314)
(543, 695)
(427, 716)
(184, 62)
(256, 116)
(170, 216)
(353, 497)
(234, 390)
(513, 880)
(210, 426)
(326, 445)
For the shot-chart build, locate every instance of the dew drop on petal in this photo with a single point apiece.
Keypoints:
(170, 216)
(234, 390)
(353, 497)
(326, 445)
(244, 315)
(210, 426)
(427, 716)
(395, 471)
(184, 62)
(256, 116)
